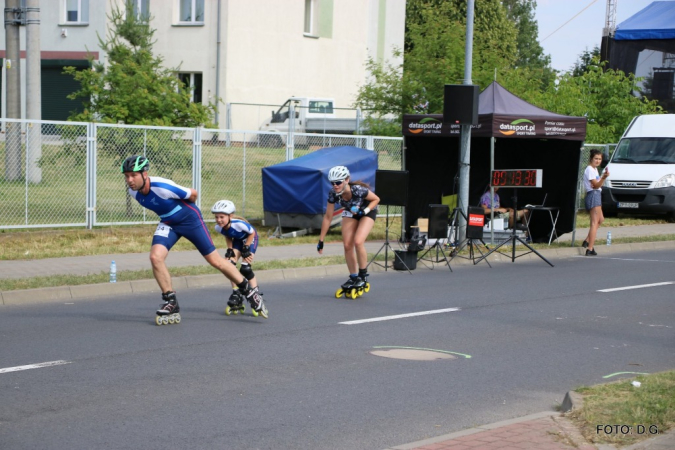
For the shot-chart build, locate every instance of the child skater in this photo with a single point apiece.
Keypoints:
(242, 242)
(358, 218)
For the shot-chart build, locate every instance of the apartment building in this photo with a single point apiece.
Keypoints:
(239, 51)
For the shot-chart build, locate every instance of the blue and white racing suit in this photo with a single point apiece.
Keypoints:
(239, 231)
(179, 217)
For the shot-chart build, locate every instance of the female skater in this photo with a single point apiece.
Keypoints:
(358, 218)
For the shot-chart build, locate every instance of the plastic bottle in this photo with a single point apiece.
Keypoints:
(609, 238)
(113, 272)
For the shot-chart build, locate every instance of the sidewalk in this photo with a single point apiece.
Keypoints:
(546, 430)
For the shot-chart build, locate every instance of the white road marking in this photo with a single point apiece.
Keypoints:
(33, 366)
(640, 286)
(623, 259)
(399, 316)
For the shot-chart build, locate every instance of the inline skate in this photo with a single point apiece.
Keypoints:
(235, 304)
(169, 312)
(348, 288)
(362, 285)
(255, 299)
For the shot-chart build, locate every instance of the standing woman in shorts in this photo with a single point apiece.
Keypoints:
(358, 218)
(593, 183)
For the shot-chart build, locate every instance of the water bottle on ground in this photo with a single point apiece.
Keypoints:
(609, 238)
(113, 272)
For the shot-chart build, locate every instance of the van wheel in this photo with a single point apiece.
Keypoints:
(671, 217)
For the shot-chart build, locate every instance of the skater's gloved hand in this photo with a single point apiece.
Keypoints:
(245, 251)
(319, 247)
(356, 211)
(229, 253)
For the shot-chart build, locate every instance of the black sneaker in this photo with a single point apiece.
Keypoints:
(591, 252)
(584, 244)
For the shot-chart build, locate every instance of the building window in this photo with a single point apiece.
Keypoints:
(77, 11)
(191, 11)
(310, 17)
(193, 83)
(141, 10)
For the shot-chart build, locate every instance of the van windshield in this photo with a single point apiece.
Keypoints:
(645, 151)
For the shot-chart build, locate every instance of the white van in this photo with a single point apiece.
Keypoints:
(642, 169)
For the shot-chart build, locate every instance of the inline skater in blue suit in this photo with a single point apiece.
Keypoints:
(179, 217)
(242, 242)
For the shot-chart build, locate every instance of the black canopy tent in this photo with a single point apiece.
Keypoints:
(520, 135)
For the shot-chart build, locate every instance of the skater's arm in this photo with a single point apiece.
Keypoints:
(193, 196)
(373, 200)
(325, 224)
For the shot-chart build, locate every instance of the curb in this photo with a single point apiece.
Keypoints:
(88, 291)
(470, 431)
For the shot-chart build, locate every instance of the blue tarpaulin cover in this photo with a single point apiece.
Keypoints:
(656, 21)
(300, 186)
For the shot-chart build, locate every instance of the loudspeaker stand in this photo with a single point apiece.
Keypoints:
(386, 246)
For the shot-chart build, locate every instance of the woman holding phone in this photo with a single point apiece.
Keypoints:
(593, 183)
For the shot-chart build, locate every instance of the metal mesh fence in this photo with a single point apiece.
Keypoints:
(43, 179)
(57, 174)
(169, 150)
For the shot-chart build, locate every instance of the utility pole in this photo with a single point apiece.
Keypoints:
(33, 92)
(13, 18)
(465, 137)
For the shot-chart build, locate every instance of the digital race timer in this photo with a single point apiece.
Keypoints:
(516, 178)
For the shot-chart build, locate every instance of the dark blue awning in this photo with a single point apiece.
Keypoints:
(656, 21)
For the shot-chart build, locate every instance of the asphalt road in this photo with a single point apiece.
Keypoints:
(523, 334)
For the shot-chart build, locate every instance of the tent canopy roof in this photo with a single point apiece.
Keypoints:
(496, 99)
(502, 114)
(656, 21)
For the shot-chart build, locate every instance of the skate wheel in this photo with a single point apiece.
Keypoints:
(354, 294)
(228, 311)
(254, 312)
(171, 320)
(177, 319)
(158, 320)
(339, 293)
(367, 287)
(165, 320)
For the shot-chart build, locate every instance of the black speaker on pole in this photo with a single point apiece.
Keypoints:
(460, 104)
(392, 187)
(475, 223)
(438, 221)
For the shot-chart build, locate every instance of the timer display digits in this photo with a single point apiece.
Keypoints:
(516, 178)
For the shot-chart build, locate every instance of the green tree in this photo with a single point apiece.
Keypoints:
(133, 87)
(529, 53)
(585, 61)
(604, 97)
(433, 57)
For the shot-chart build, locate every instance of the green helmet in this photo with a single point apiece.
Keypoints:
(135, 163)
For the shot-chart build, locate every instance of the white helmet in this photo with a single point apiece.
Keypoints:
(338, 173)
(223, 207)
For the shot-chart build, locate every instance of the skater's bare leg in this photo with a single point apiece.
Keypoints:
(158, 254)
(349, 227)
(362, 232)
(226, 267)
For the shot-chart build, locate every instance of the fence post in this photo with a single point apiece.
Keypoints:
(91, 176)
(228, 124)
(291, 131)
(197, 162)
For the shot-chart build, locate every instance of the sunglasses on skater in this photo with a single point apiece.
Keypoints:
(336, 183)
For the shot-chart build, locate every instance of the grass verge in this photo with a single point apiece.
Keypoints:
(131, 275)
(622, 414)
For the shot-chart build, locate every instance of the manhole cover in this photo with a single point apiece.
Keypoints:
(412, 354)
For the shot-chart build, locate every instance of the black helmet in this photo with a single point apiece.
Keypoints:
(135, 163)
